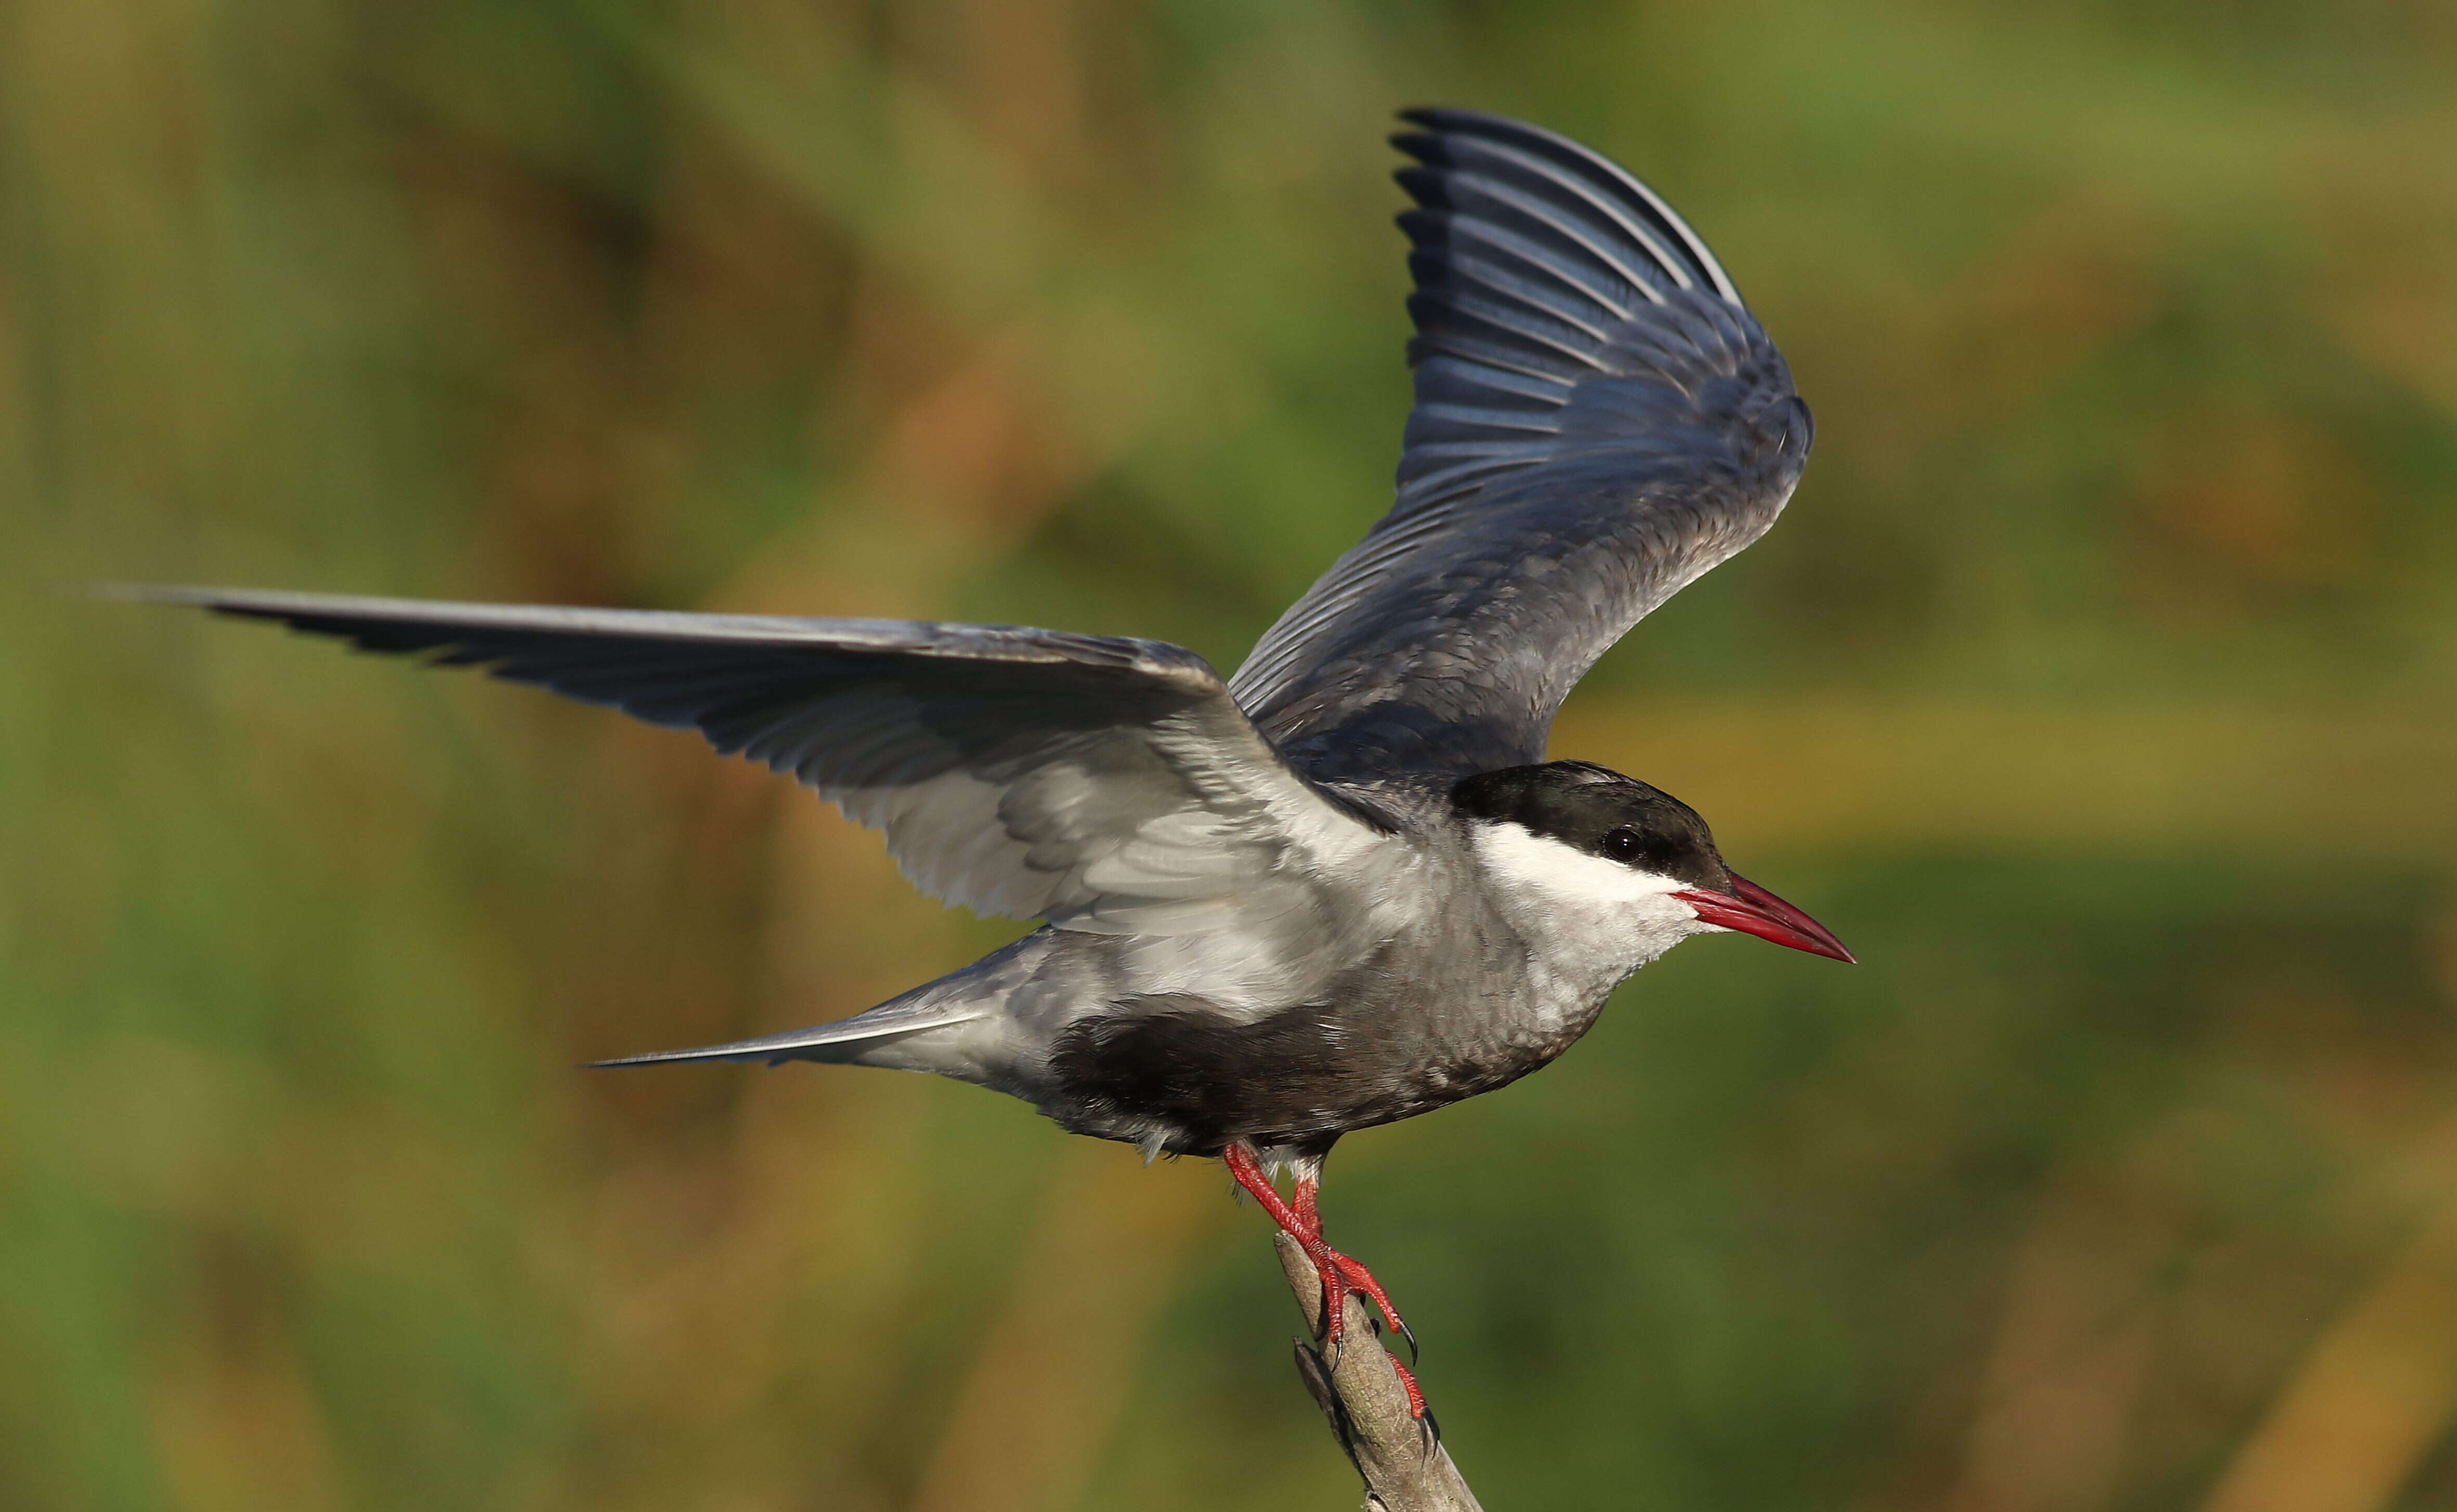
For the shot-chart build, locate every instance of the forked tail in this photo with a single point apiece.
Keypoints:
(898, 1032)
(844, 1040)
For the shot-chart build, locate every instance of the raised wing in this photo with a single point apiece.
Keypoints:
(1599, 420)
(1104, 785)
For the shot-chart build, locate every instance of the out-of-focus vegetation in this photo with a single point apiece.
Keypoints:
(2097, 689)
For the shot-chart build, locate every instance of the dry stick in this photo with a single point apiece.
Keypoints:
(1406, 1468)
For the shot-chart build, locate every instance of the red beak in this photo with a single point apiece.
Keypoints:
(1753, 910)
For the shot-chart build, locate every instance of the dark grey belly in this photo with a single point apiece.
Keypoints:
(1176, 1072)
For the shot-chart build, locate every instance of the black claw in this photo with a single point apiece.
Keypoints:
(1405, 1332)
(1430, 1430)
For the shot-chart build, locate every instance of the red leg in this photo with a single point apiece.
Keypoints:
(1340, 1275)
(1351, 1272)
(1250, 1175)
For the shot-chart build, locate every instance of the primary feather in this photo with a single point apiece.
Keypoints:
(1104, 785)
(1599, 420)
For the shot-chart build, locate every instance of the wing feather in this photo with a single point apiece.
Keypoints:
(1096, 783)
(1599, 420)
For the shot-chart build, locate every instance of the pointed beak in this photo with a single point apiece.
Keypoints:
(1753, 910)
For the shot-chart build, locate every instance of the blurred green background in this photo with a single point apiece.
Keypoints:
(2101, 689)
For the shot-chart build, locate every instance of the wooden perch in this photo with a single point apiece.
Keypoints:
(1406, 1468)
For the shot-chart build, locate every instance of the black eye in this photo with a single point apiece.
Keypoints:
(1623, 845)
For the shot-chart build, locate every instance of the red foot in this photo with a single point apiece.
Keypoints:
(1353, 1278)
(1408, 1383)
(1341, 1275)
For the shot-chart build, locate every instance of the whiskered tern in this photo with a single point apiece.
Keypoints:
(1343, 886)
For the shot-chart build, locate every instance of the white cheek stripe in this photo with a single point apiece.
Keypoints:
(1565, 875)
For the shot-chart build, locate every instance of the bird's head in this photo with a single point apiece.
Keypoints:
(1585, 856)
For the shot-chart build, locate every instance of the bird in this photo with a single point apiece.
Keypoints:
(1344, 885)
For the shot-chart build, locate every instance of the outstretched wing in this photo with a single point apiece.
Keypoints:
(1104, 785)
(1599, 420)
